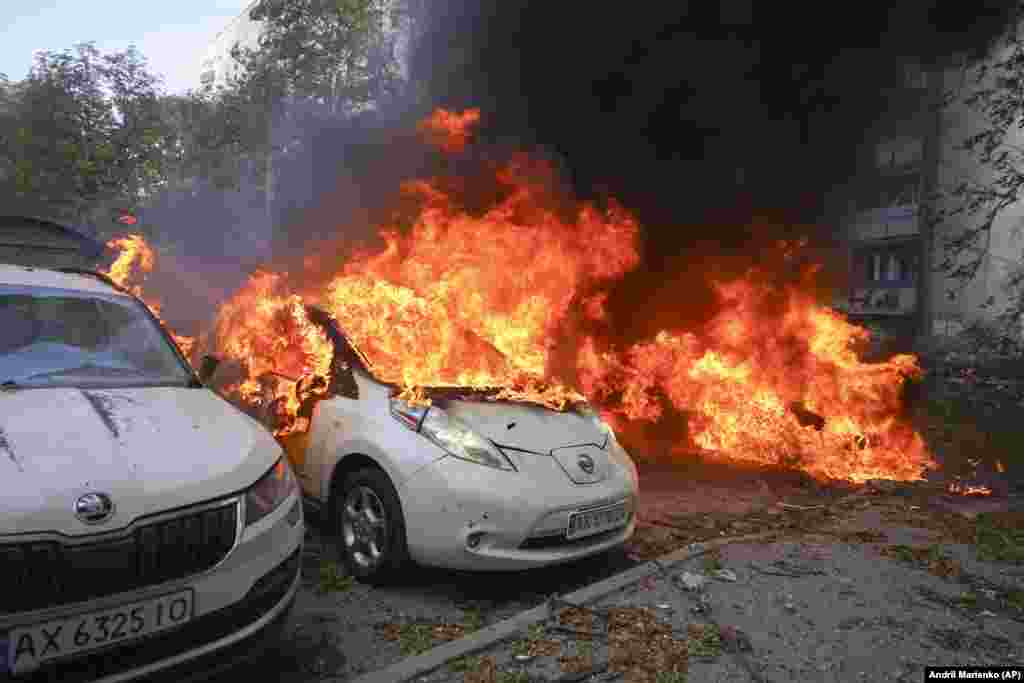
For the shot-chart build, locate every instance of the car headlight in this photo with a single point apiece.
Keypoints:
(587, 411)
(454, 436)
(267, 494)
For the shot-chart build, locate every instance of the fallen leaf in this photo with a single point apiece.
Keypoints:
(544, 648)
(449, 631)
(486, 672)
(390, 631)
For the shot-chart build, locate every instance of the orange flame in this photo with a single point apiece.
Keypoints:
(449, 130)
(962, 489)
(135, 259)
(500, 298)
(746, 380)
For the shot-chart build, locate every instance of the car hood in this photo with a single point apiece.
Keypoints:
(566, 436)
(150, 449)
(527, 427)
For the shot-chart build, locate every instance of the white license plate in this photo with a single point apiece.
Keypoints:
(31, 646)
(595, 521)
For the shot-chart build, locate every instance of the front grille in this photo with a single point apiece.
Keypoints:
(263, 597)
(47, 574)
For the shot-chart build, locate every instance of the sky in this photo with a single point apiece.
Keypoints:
(173, 36)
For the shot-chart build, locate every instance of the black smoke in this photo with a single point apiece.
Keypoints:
(724, 126)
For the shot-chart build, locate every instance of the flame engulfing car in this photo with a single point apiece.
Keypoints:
(462, 480)
(134, 502)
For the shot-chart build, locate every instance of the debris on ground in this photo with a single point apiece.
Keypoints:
(486, 671)
(725, 575)
(931, 558)
(535, 644)
(734, 640)
(690, 581)
(579, 619)
(641, 646)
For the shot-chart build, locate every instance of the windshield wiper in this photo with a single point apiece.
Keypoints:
(9, 385)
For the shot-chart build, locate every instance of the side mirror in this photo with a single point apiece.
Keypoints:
(207, 367)
(344, 381)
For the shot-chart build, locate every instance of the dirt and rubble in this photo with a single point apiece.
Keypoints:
(872, 586)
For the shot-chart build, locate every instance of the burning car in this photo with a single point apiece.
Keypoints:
(451, 476)
(136, 506)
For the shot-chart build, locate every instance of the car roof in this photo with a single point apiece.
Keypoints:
(82, 281)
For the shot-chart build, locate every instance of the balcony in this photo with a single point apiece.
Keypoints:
(872, 302)
(884, 223)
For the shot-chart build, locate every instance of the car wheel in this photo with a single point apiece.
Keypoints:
(371, 527)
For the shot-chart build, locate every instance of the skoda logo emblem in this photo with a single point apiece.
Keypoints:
(94, 508)
(586, 463)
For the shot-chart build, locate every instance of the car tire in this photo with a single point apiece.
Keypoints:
(370, 526)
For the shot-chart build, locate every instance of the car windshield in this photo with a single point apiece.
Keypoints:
(52, 337)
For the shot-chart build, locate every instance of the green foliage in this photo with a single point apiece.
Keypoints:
(967, 211)
(999, 540)
(670, 677)
(415, 639)
(87, 130)
(333, 579)
(337, 54)
(464, 664)
(83, 128)
(473, 619)
(707, 644)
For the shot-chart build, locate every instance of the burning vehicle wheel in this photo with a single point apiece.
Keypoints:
(371, 526)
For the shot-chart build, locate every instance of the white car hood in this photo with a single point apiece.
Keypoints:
(149, 449)
(529, 427)
(565, 436)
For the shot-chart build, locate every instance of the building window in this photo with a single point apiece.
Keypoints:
(888, 266)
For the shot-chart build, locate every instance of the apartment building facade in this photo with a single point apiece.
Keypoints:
(895, 288)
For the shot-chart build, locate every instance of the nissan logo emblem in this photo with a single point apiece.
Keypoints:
(94, 508)
(586, 463)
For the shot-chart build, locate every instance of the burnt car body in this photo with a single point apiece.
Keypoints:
(469, 482)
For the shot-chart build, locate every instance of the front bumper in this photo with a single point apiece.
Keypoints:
(462, 515)
(238, 602)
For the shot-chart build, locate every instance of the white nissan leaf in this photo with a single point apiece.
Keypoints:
(147, 526)
(469, 482)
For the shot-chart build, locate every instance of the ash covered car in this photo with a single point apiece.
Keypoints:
(146, 525)
(469, 481)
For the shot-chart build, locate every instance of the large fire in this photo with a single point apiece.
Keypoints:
(782, 388)
(509, 297)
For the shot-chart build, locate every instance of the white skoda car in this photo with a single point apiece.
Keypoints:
(468, 483)
(146, 525)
